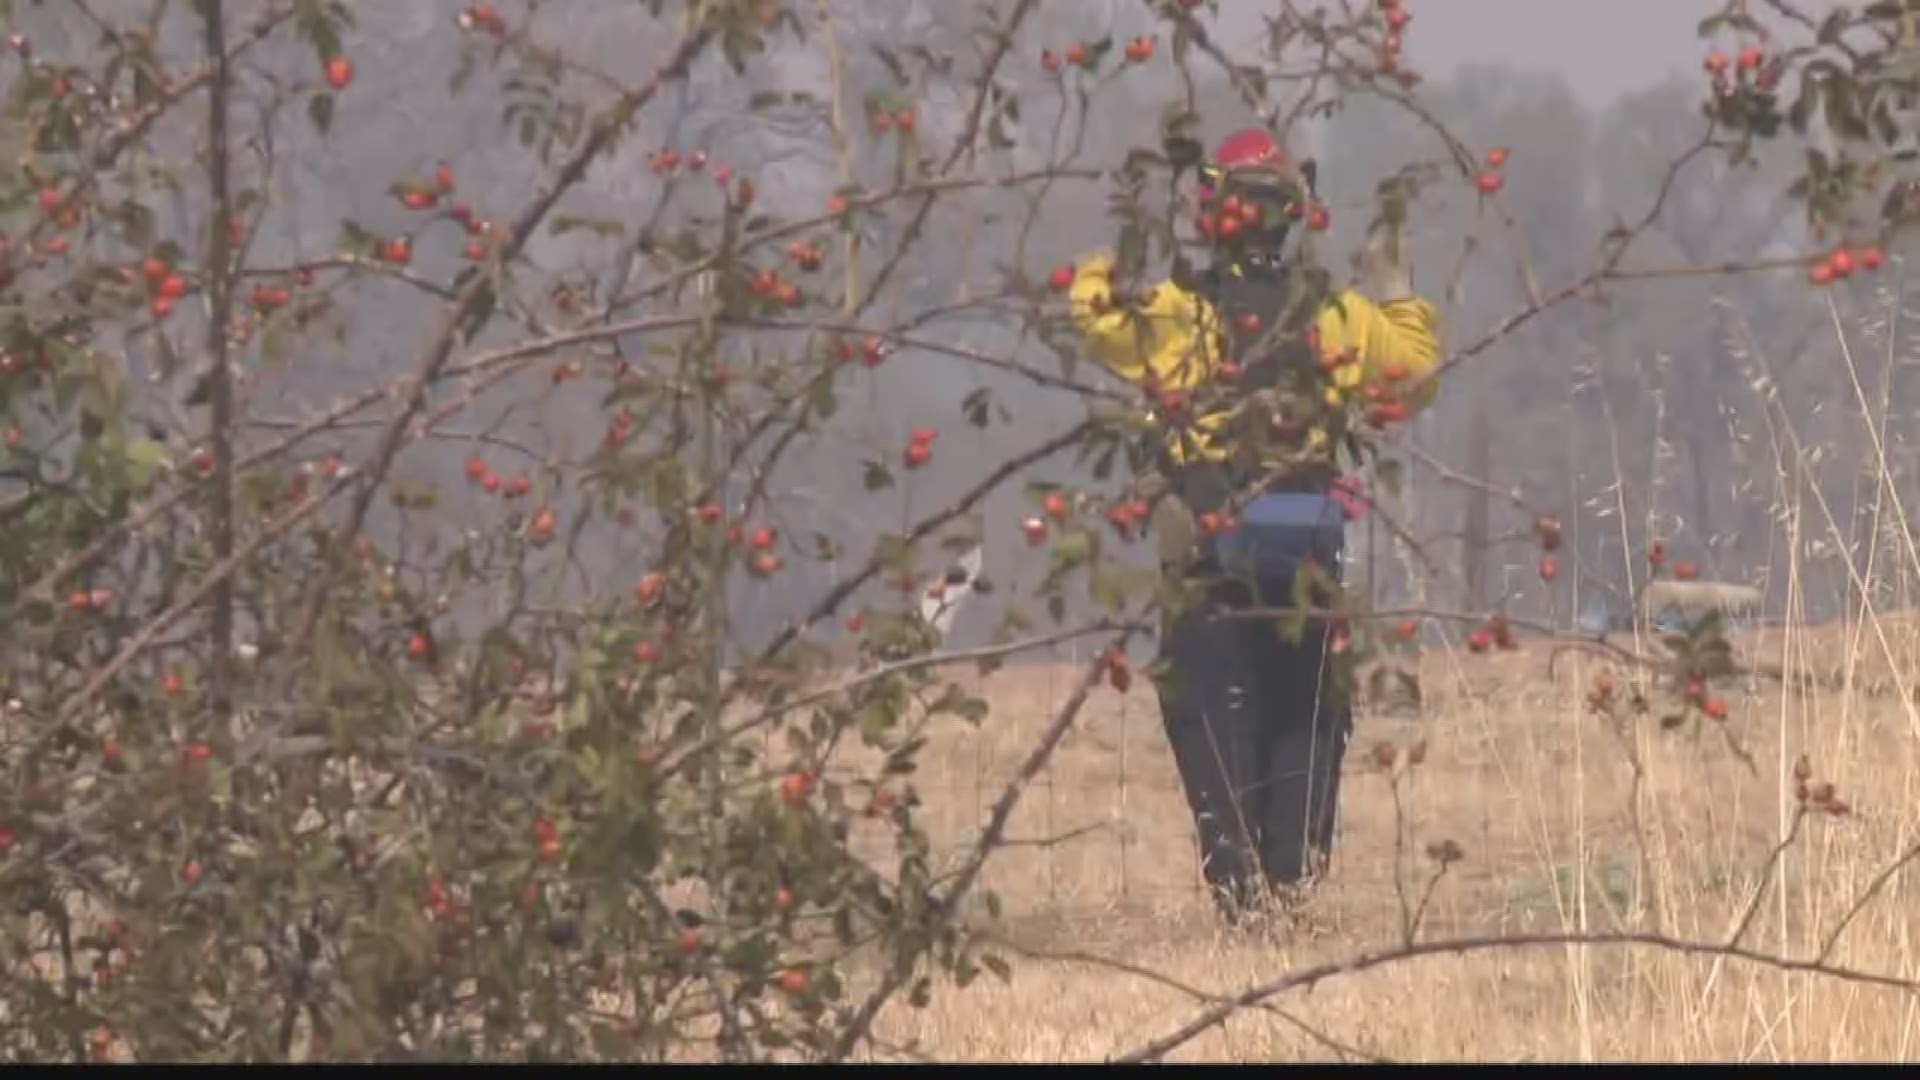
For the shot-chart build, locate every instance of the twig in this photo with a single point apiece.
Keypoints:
(1073, 956)
(983, 848)
(220, 377)
(1157, 1048)
(1766, 875)
(1880, 881)
(918, 663)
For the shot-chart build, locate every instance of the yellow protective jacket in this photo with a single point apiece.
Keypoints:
(1174, 338)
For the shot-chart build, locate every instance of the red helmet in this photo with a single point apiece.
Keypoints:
(1249, 151)
(1249, 148)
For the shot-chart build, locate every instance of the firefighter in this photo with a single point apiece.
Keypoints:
(1246, 705)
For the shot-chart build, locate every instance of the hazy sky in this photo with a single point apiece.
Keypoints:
(1602, 47)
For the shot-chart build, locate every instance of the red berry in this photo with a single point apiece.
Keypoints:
(1062, 278)
(1318, 219)
(1488, 182)
(1872, 258)
(652, 584)
(339, 72)
(1840, 262)
(795, 787)
(1035, 531)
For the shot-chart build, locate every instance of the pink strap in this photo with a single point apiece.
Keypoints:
(1351, 495)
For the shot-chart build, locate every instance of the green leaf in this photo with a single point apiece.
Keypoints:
(825, 402)
(320, 111)
(976, 406)
(876, 477)
(1141, 160)
(146, 457)
(566, 223)
(1390, 473)
(997, 137)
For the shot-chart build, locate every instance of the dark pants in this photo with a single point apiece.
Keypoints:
(1257, 743)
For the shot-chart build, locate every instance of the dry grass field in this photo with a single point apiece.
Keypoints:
(1540, 794)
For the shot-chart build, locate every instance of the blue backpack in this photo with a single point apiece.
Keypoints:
(1279, 531)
